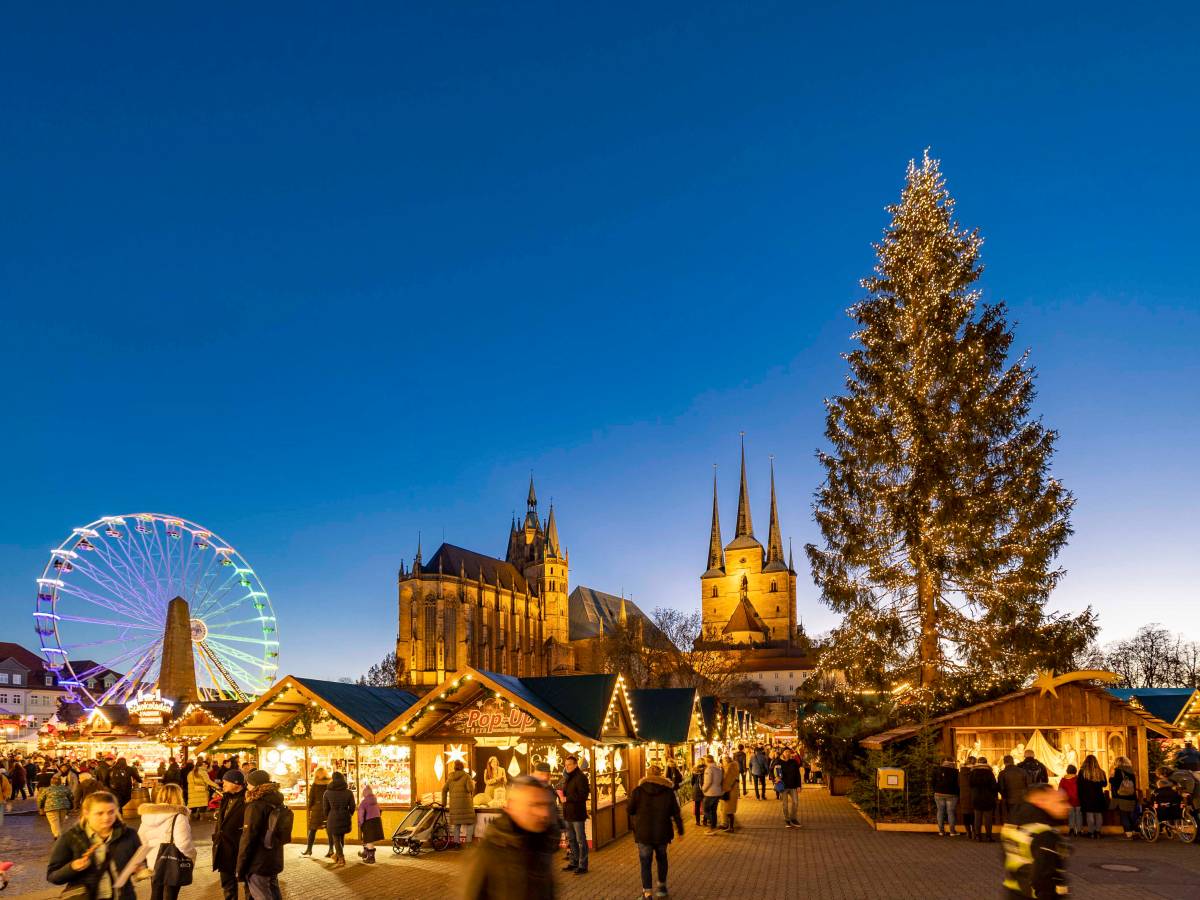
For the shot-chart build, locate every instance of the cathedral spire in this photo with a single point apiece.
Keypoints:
(532, 499)
(791, 566)
(716, 560)
(774, 539)
(745, 528)
(552, 532)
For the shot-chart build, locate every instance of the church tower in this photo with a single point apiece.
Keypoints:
(535, 550)
(748, 592)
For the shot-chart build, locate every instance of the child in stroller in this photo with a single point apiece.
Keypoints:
(424, 822)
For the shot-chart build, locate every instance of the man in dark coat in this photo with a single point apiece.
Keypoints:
(984, 791)
(654, 808)
(575, 792)
(257, 864)
(1034, 862)
(227, 832)
(1014, 781)
(515, 859)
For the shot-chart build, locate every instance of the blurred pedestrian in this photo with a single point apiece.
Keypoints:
(93, 853)
(1034, 858)
(514, 859)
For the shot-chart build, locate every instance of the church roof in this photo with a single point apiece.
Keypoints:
(744, 619)
(454, 559)
(589, 609)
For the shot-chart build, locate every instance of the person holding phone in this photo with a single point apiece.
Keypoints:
(94, 852)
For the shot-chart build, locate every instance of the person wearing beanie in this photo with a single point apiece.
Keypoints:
(257, 864)
(227, 832)
(654, 809)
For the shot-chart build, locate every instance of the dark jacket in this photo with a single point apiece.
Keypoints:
(674, 775)
(654, 806)
(254, 857)
(790, 773)
(339, 805)
(1091, 794)
(512, 864)
(964, 790)
(1033, 862)
(576, 793)
(316, 805)
(983, 788)
(945, 780)
(1035, 772)
(1014, 781)
(121, 780)
(227, 832)
(1119, 777)
(759, 764)
(740, 759)
(122, 845)
(1188, 758)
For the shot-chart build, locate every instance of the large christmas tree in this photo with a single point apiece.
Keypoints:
(940, 517)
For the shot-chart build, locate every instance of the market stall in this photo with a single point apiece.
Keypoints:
(501, 726)
(670, 723)
(302, 724)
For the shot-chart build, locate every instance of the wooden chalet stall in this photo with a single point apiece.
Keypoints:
(1061, 719)
(501, 726)
(670, 722)
(1178, 706)
(302, 724)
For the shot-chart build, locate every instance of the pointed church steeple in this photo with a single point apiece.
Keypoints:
(774, 538)
(532, 499)
(552, 532)
(532, 524)
(791, 565)
(716, 557)
(745, 527)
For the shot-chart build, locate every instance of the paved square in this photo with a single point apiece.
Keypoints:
(836, 856)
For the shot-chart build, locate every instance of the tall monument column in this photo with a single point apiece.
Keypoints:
(177, 671)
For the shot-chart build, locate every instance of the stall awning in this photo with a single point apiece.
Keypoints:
(361, 709)
(667, 715)
(1169, 704)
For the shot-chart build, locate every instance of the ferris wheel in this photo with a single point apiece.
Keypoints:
(130, 602)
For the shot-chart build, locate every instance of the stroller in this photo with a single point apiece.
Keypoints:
(424, 822)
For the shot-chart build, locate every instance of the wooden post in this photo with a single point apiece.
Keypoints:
(1143, 760)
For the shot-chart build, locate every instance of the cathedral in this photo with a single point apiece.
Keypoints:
(748, 592)
(513, 616)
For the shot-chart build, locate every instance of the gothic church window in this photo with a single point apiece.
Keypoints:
(451, 641)
(774, 586)
(714, 592)
(430, 635)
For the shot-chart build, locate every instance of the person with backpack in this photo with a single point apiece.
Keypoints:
(339, 815)
(1123, 783)
(121, 780)
(227, 831)
(370, 824)
(654, 809)
(316, 810)
(166, 822)
(759, 766)
(266, 827)
(1035, 772)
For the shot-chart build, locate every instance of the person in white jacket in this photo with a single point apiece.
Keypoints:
(164, 821)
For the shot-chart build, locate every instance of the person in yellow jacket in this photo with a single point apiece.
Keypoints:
(1034, 853)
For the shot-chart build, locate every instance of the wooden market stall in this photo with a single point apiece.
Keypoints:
(1178, 706)
(1062, 719)
(670, 723)
(302, 724)
(501, 726)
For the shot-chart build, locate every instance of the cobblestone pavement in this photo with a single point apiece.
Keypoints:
(836, 856)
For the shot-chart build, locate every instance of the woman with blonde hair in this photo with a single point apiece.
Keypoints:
(316, 810)
(165, 821)
(494, 777)
(1122, 782)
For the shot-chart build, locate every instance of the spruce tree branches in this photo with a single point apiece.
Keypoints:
(940, 518)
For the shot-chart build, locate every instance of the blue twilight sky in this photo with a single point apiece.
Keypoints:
(321, 276)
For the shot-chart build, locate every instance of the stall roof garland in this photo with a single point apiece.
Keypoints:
(667, 714)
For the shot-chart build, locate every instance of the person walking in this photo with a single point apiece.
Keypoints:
(698, 791)
(714, 778)
(260, 861)
(18, 775)
(1092, 801)
(740, 759)
(515, 858)
(6, 790)
(316, 810)
(654, 809)
(729, 800)
(198, 787)
(1034, 857)
(458, 796)
(1069, 785)
(575, 793)
(788, 774)
(1014, 781)
(945, 796)
(92, 854)
(227, 831)
(339, 816)
(370, 824)
(87, 785)
(673, 773)
(759, 766)
(31, 775)
(965, 808)
(1122, 782)
(165, 821)
(56, 801)
(985, 791)
(121, 780)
